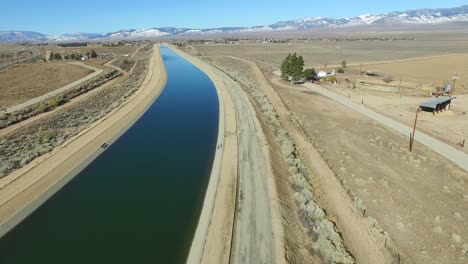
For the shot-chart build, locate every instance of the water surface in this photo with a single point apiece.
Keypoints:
(138, 202)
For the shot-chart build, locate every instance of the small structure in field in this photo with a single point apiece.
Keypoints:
(437, 104)
(105, 56)
(371, 73)
(324, 74)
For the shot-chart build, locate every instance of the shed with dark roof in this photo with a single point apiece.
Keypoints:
(437, 104)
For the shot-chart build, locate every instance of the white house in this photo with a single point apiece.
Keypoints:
(322, 74)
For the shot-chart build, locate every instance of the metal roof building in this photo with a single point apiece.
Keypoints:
(436, 104)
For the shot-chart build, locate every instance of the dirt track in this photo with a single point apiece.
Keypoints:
(22, 82)
(96, 72)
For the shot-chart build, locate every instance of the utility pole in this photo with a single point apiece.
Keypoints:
(414, 131)
(455, 78)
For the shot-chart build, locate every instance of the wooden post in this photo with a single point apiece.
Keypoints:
(364, 213)
(349, 95)
(410, 141)
(414, 130)
(462, 144)
(399, 259)
(386, 242)
(362, 100)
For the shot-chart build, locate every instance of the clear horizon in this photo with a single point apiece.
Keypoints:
(56, 17)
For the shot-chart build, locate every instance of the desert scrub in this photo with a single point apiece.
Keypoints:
(326, 240)
(41, 137)
(125, 64)
(47, 136)
(52, 103)
(3, 119)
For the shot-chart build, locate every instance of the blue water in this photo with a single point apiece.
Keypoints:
(138, 202)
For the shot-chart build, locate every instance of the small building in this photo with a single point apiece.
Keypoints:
(437, 104)
(322, 74)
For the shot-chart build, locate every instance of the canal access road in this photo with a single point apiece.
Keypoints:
(243, 227)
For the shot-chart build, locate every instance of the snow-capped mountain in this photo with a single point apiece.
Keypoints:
(75, 36)
(421, 16)
(410, 17)
(21, 36)
(136, 33)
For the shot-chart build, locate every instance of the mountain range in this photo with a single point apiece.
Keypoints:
(410, 17)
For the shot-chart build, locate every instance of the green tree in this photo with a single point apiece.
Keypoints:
(310, 74)
(51, 56)
(340, 70)
(67, 57)
(285, 71)
(88, 54)
(296, 67)
(292, 67)
(93, 54)
(343, 64)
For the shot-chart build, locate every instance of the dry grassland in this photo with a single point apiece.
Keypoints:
(21, 82)
(319, 53)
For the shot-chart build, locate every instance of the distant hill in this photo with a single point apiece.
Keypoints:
(21, 36)
(410, 17)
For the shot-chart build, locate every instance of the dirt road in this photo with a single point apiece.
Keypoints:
(253, 232)
(67, 87)
(449, 152)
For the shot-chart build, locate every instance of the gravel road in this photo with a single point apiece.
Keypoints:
(253, 230)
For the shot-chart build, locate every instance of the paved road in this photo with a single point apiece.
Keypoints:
(458, 157)
(55, 92)
(253, 240)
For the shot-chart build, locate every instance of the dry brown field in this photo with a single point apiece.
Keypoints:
(423, 63)
(416, 197)
(318, 53)
(419, 198)
(21, 82)
(424, 73)
(113, 51)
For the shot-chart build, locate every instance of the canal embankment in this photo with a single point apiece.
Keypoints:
(26, 189)
(213, 236)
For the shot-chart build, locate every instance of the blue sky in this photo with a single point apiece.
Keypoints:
(102, 16)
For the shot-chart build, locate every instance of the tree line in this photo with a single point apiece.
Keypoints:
(58, 56)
